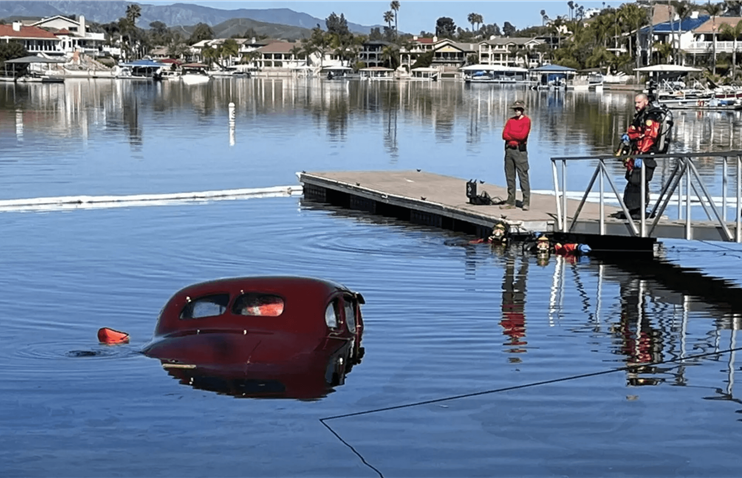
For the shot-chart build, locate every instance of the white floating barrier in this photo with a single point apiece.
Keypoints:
(101, 202)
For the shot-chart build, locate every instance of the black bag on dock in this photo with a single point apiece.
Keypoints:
(483, 199)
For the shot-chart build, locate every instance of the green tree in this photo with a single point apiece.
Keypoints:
(133, 12)
(229, 49)
(337, 25)
(394, 5)
(734, 32)
(390, 55)
(375, 34)
(733, 7)
(158, 33)
(714, 10)
(201, 32)
(508, 29)
(12, 50)
(634, 17)
(424, 60)
(445, 27)
(389, 18)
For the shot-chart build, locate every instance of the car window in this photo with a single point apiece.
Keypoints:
(207, 306)
(258, 305)
(331, 315)
(350, 314)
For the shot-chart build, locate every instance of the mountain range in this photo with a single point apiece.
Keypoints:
(178, 14)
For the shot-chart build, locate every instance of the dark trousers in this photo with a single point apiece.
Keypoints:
(517, 161)
(632, 195)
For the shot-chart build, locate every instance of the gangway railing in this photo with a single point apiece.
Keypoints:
(683, 174)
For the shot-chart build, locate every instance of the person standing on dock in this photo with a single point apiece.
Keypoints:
(515, 135)
(642, 135)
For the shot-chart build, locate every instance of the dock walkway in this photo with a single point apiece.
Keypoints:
(431, 199)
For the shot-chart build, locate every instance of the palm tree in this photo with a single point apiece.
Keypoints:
(133, 12)
(683, 9)
(544, 17)
(714, 10)
(395, 8)
(390, 54)
(634, 17)
(388, 17)
(734, 32)
(571, 6)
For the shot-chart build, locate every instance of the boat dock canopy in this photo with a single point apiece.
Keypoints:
(493, 68)
(667, 69)
(34, 59)
(143, 63)
(553, 69)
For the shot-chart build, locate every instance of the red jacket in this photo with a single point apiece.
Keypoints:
(516, 130)
(644, 131)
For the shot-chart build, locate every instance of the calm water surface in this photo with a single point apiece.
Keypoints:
(596, 367)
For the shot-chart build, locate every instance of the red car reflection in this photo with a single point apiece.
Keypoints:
(288, 337)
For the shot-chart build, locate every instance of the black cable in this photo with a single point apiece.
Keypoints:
(322, 420)
(498, 390)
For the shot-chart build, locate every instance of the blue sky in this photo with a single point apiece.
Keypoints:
(415, 16)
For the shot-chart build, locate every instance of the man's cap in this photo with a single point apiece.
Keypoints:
(518, 105)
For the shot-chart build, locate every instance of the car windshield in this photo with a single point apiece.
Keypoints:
(258, 304)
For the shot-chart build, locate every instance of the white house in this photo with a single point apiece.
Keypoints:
(74, 35)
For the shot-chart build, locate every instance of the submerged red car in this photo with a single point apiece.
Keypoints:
(289, 337)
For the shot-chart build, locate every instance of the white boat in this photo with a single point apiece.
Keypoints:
(141, 70)
(424, 74)
(496, 74)
(377, 73)
(338, 72)
(194, 74)
(591, 82)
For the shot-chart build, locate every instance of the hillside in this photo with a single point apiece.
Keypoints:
(172, 15)
(238, 26)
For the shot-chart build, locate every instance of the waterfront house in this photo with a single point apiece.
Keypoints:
(503, 51)
(705, 34)
(371, 53)
(679, 34)
(34, 39)
(73, 35)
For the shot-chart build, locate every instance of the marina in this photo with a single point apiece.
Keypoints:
(118, 194)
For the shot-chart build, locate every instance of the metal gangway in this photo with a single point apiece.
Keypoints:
(683, 187)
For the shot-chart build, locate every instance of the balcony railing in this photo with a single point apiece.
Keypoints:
(708, 47)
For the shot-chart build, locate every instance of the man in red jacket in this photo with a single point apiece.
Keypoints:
(515, 135)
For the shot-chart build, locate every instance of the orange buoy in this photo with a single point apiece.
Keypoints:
(112, 337)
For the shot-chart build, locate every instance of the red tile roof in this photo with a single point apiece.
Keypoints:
(25, 32)
(425, 40)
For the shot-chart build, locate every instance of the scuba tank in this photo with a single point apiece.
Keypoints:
(663, 115)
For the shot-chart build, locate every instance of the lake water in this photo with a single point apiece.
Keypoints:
(479, 361)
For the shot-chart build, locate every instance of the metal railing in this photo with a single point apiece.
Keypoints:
(682, 175)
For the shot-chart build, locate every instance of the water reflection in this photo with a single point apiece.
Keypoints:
(571, 122)
(513, 321)
(307, 377)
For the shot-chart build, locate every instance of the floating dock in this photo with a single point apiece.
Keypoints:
(440, 201)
